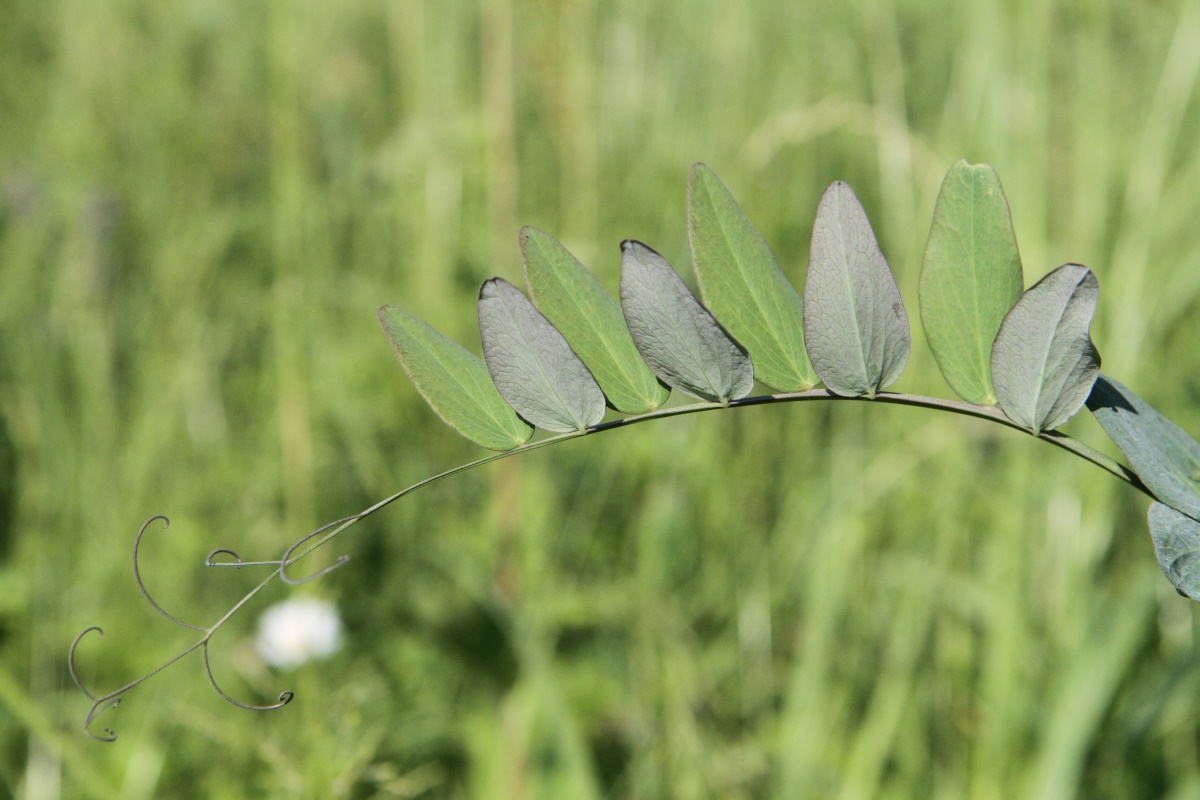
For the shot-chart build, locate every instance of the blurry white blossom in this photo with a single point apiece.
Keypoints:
(292, 632)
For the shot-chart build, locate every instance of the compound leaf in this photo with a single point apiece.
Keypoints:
(533, 367)
(1160, 452)
(1043, 359)
(855, 326)
(591, 321)
(970, 278)
(454, 381)
(741, 284)
(1177, 548)
(676, 335)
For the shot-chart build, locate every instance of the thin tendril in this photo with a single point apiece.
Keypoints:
(285, 696)
(221, 551)
(288, 559)
(137, 575)
(71, 659)
(211, 560)
(95, 711)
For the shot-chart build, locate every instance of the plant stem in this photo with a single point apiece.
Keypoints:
(319, 537)
(990, 413)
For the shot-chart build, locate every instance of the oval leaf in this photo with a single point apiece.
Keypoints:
(1159, 451)
(741, 284)
(970, 278)
(854, 320)
(454, 381)
(1043, 359)
(591, 321)
(676, 335)
(1177, 548)
(533, 367)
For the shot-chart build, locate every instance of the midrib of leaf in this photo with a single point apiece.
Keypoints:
(984, 351)
(848, 277)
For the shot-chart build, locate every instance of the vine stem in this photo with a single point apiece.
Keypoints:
(310, 542)
(989, 413)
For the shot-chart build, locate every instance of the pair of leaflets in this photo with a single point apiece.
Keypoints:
(1029, 352)
(1167, 460)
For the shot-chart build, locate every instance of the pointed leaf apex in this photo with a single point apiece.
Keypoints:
(742, 285)
(454, 381)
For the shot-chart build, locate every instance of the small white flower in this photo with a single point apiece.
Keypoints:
(292, 632)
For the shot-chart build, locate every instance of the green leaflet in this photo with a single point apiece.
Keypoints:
(742, 285)
(1159, 451)
(1177, 548)
(533, 367)
(454, 381)
(676, 336)
(1043, 360)
(970, 278)
(855, 326)
(591, 321)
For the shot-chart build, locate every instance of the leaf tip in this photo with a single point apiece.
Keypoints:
(528, 235)
(488, 287)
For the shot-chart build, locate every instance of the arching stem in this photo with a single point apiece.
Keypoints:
(311, 541)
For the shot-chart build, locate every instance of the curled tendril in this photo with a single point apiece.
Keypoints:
(71, 659)
(103, 703)
(137, 575)
(210, 559)
(285, 696)
(296, 545)
(100, 704)
(95, 711)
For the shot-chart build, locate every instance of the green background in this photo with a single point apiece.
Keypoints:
(203, 202)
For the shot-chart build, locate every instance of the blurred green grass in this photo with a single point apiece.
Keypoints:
(203, 203)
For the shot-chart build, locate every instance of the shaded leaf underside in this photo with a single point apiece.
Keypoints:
(676, 335)
(1043, 360)
(532, 365)
(855, 326)
(1162, 454)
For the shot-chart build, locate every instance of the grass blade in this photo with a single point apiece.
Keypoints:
(678, 338)
(970, 278)
(533, 367)
(454, 381)
(742, 285)
(591, 321)
(855, 325)
(1043, 359)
